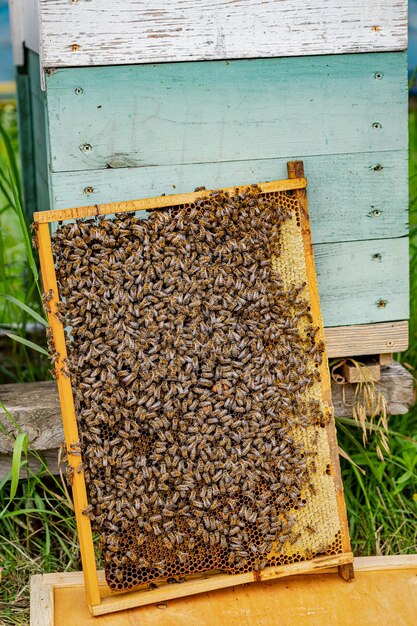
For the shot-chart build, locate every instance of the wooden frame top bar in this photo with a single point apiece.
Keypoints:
(158, 202)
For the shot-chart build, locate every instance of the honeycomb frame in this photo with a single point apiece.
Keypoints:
(337, 554)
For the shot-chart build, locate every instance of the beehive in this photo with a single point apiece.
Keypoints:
(201, 394)
(117, 111)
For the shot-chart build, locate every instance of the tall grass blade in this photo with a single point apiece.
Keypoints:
(12, 161)
(20, 446)
(17, 205)
(26, 308)
(27, 343)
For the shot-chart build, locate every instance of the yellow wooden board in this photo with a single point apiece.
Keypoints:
(383, 593)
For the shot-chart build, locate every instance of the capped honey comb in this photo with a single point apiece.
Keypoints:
(196, 370)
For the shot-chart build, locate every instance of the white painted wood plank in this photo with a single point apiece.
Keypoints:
(31, 24)
(24, 22)
(16, 26)
(105, 32)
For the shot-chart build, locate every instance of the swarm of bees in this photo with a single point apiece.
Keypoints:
(190, 364)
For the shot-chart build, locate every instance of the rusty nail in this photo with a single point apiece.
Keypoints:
(88, 190)
(381, 304)
(75, 47)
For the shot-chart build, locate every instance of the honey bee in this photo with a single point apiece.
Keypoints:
(189, 370)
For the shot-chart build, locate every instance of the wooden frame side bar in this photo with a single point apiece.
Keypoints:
(68, 418)
(296, 170)
(159, 202)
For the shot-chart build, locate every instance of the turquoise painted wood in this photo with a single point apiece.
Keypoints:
(351, 196)
(27, 156)
(38, 134)
(170, 128)
(211, 112)
(362, 282)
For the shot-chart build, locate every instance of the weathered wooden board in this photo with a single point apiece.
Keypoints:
(365, 197)
(179, 113)
(104, 32)
(362, 282)
(35, 407)
(382, 593)
(367, 339)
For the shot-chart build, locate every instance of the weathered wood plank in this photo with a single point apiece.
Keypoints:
(49, 457)
(104, 32)
(366, 196)
(396, 385)
(179, 113)
(363, 282)
(35, 407)
(367, 339)
(41, 602)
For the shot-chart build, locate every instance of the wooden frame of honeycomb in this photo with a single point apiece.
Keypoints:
(306, 548)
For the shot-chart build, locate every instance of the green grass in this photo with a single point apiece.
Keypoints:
(20, 303)
(12, 252)
(382, 502)
(37, 535)
(37, 528)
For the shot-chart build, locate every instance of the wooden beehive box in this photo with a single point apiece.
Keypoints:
(127, 100)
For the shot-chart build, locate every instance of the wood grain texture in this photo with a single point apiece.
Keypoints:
(184, 113)
(363, 282)
(366, 196)
(104, 32)
(35, 407)
(41, 602)
(366, 339)
(383, 593)
(49, 458)
(396, 385)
